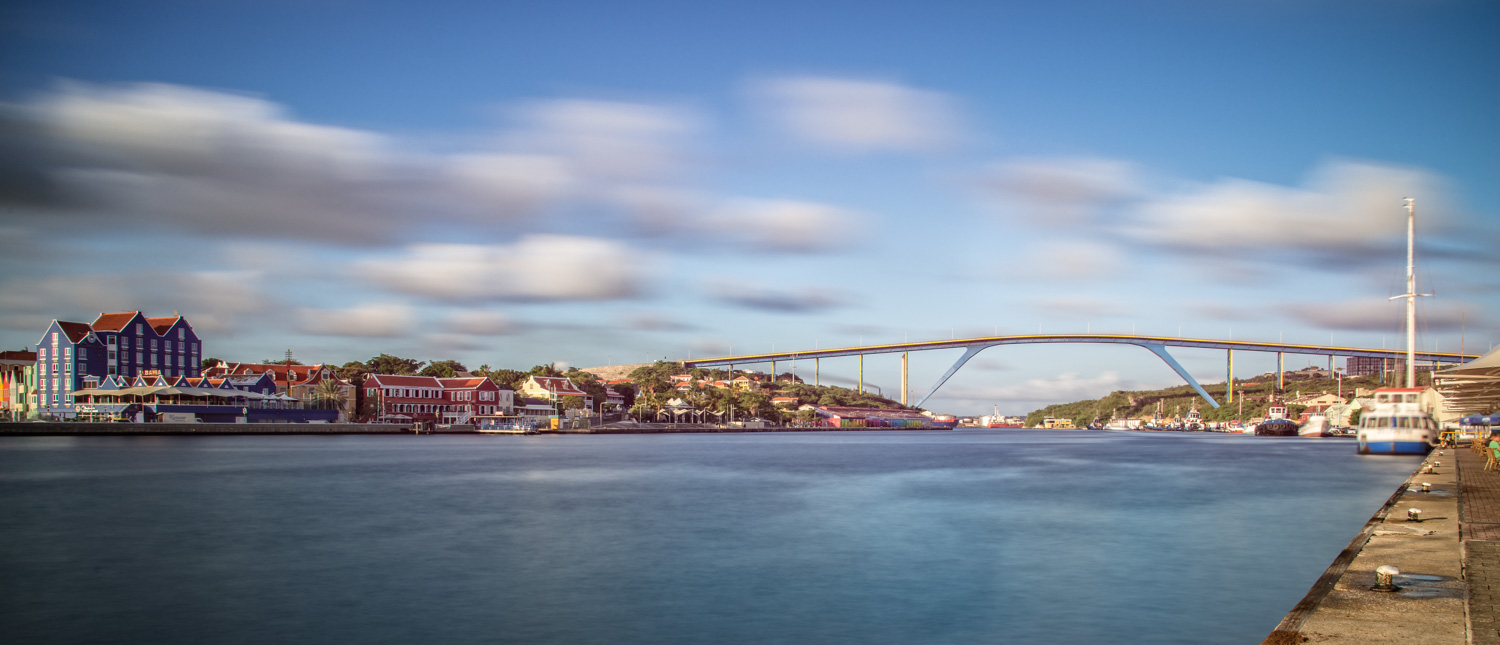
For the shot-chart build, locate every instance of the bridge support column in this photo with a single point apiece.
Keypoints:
(968, 354)
(903, 377)
(1161, 352)
(1280, 371)
(1229, 379)
(817, 371)
(773, 371)
(861, 373)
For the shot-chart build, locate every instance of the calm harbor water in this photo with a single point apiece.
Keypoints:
(1012, 536)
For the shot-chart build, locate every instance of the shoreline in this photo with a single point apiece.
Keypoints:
(92, 429)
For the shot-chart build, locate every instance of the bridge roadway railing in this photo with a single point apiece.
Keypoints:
(1157, 345)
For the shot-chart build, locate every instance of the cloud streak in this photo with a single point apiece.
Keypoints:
(857, 115)
(537, 268)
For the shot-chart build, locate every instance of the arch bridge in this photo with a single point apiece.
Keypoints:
(1155, 344)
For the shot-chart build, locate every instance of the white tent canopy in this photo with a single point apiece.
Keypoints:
(1474, 386)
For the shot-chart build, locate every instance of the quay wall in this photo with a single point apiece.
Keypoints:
(64, 428)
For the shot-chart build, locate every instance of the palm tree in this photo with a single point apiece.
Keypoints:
(331, 394)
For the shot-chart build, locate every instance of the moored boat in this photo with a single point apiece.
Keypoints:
(1276, 428)
(1315, 426)
(503, 425)
(1396, 425)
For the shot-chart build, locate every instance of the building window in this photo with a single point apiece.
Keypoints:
(111, 370)
(181, 333)
(67, 353)
(82, 353)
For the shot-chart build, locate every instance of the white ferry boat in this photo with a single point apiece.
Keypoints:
(1396, 425)
(504, 425)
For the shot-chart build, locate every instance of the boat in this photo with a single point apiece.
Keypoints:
(1276, 428)
(1315, 426)
(995, 420)
(504, 425)
(1397, 424)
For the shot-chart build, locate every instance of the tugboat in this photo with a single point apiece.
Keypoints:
(1276, 423)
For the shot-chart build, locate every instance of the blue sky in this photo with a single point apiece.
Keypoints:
(591, 183)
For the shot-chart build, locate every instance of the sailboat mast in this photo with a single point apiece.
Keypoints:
(1411, 293)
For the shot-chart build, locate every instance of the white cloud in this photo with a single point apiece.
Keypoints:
(607, 140)
(858, 115)
(536, 268)
(784, 225)
(512, 184)
(1345, 208)
(1060, 193)
(375, 320)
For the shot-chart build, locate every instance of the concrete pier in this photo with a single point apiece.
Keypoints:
(70, 429)
(1449, 564)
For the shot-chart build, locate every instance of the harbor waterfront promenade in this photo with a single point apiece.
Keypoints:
(1441, 530)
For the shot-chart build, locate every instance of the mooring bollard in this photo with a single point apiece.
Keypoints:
(1385, 578)
(1414, 515)
(1426, 487)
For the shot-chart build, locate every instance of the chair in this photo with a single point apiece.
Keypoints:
(1492, 459)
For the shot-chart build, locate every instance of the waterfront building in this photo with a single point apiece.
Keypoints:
(73, 356)
(554, 388)
(613, 399)
(17, 378)
(538, 411)
(467, 397)
(402, 399)
(302, 382)
(848, 417)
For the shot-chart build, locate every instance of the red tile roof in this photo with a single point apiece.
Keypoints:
(75, 330)
(161, 325)
(115, 321)
(559, 385)
(395, 380)
(461, 383)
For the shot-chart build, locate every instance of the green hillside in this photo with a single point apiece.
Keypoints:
(1176, 401)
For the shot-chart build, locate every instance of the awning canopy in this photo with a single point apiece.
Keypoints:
(161, 391)
(1473, 386)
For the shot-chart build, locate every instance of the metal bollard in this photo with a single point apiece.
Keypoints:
(1385, 578)
(1414, 515)
(1426, 487)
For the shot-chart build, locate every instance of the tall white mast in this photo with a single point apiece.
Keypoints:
(1411, 293)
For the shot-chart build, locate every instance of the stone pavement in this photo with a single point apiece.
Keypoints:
(1479, 513)
(1449, 562)
(1449, 566)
